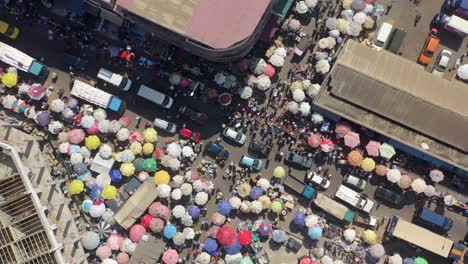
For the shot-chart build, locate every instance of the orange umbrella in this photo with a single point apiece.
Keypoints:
(381, 170)
(405, 181)
(355, 158)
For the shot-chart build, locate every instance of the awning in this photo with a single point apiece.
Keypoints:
(111, 17)
(282, 7)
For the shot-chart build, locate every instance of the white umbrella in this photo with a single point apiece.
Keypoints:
(68, 113)
(178, 211)
(178, 239)
(55, 127)
(334, 33)
(90, 240)
(235, 202)
(256, 207)
(304, 108)
(245, 206)
(418, 185)
(263, 82)
(108, 217)
(87, 121)
(354, 29)
(449, 200)
(30, 112)
(331, 23)
(76, 158)
(86, 109)
(301, 7)
(100, 114)
(349, 235)
(277, 60)
(186, 189)
(280, 51)
(293, 107)
(219, 78)
(360, 18)
(323, 43)
(347, 15)
(393, 175)
(311, 220)
(177, 180)
(128, 246)
(298, 95)
(258, 66)
(201, 198)
(322, 66)
(8, 101)
(368, 9)
(85, 152)
(430, 191)
(263, 183)
(165, 160)
(327, 260)
(189, 233)
(174, 164)
(174, 150)
(311, 3)
(103, 180)
(105, 151)
(313, 90)
(331, 42)
(462, 72)
(187, 151)
(57, 105)
(316, 118)
(246, 92)
(252, 80)
(62, 137)
(198, 185)
(218, 219)
(114, 126)
(176, 194)
(187, 220)
(163, 190)
(122, 134)
(306, 84)
(395, 259)
(97, 210)
(203, 258)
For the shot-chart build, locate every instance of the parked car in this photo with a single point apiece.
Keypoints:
(234, 136)
(295, 159)
(251, 162)
(389, 196)
(318, 180)
(428, 50)
(75, 61)
(442, 62)
(197, 117)
(259, 149)
(216, 150)
(165, 125)
(9, 30)
(355, 182)
(187, 133)
(155, 97)
(432, 220)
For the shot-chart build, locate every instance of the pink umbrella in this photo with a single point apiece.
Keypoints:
(158, 153)
(314, 140)
(326, 145)
(94, 129)
(352, 139)
(269, 71)
(125, 121)
(136, 232)
(369, 1)
(185, 82)
(372, 148)
(157, 225)
(114, 241)
(192, 175)
(158, 209)
(436, 175)
(146, 220)
(36, 91)
(218, 219)
(103, 252)
(123, 258)
(170, 257)
(342, 129)
(135, 137)
(76, 136)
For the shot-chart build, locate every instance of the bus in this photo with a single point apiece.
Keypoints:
(334, 208)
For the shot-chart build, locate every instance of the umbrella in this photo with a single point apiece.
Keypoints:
(161, 177)
(234, 248)
(122, 134)
(76, 187)
(193, 211)
(369, 24)
(368, 164)
(128, 246)
(178, 239)
(163, 190)
(42, 118)
(127, 169)
(210, 245)
(326, 145)
(298, 95)
(8, 101)
(178, 211)
(150, 165)
(462, 72)
(125, 121)
(315, 232)
(387, 151)
(436, 175)
(301, 7)
(233, 259)
(293, 107)
(122, 258)
(157, 225)
(294, 25)
(146, 220)
(170, 256)
(311, 3)
(103, 180)
(9, 79)
(150, 135)
(246, 92)
(86, 110)
(256, 192)
(313, 90)
(103, 229)
(279, 172)
(420, 260)
(174, 150)
(408, 261)
(279, 236)
(136, 147)
(296, 85)
(127, 155)
(64, 148)
(186, 189)
(352, 139)
(395, 259)
(226, 235)
(19, 106)
(377, 251)
(256, 207)
(105, 151)
(225, 99)
(322, 66)
(265, 228)
(244, 237)
(269, 71)
(90, 240)
(76, 158)
(57, 105)
(187, 151)
(92, 142)
(109, 192)
(314, 140)
(311, 220)
(430, 191)
(157, 209)
(418, 185)
(264, 184)
(186, 220)
(360, 18)
(115, 126)
(323, 43)
(245, 206)
(258, 66)
(114, 241)
(343, 26)
(36, 91)
(220, 78)
(449, 200)
(355, 158)
(169, 231)
(76, 136)
(218, 219)
(331, 23)
(189, 233)
(224, 207)
(381, 170)
(175, 78)
(201, 198)
(80, 168)
(349, 235)
(393, 176)
(369, 236)
(354, 29)
(405, 181)
(299, 218)
(203, 258)
(372, 148)
(93, 129)
(135, 137)
(265, 201)
(335, 33)
(100, 114)
(358, 5)
(276, 207)
(96, 192)
(244, 189)
(86, 205)
(263, 81)
(98, 208)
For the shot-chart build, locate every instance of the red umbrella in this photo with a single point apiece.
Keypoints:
(307, 260)
(77, 119)
(244, 237)
(342, 129)
(136, 232)
(94, 129)
(158, 153)
(224, 99)
(314, 140)
(36, 91)
(76, 136)
(185, 82)
(146, 220)
(226, 235)
(269, 71)
(326, 145)
(170, 257)
(125, 121)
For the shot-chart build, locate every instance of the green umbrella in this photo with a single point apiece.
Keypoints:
(150, 165)
(387, 151)
(139, 164)
(246, 260)
(420, 260)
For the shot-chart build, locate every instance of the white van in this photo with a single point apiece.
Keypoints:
(155, 97)
(164, 125)
(117, 80)
(355, 199)
(382, 35)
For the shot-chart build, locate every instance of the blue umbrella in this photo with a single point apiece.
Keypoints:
(194, 211)
(408, 261)
(80, 168)
(299, 218)
(169, 231)
(43, 119)
(96, 193)
(256, 192)
(279, 236)
(315, 232)
(116, 176)
(234, 248)
(224, 207)
(74, 149)
(210, 245)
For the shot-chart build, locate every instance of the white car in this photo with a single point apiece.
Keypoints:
(318, 180)
(164, 125)
(441, 63)
(235, 136)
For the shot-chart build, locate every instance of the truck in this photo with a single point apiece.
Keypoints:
(22, 61)
(355, 199)
(98, 97)
(459, 7)
(334, 208)
(299, 186)
(452, 23)
(401, 229)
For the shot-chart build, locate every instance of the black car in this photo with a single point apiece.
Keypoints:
(197, 117)
(259, 149)
(301, 161)
(75, 61)
(389, 196)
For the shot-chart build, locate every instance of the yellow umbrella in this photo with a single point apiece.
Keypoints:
(9, 79)
(370, 237)
(296, 85)
(76, 187)
(244, 190)
(127, 169)
(276, 207)
(136, 147)
(347, 4)
(92, 142)
(368, 164)
(109, 192)
(265, 201)
(148, 148)
(161, 177)
(279, 172)
(150, 135)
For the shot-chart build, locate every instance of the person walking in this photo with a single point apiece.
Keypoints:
(417, 18)
(389, 7)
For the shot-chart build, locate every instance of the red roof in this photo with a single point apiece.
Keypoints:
(222, 23)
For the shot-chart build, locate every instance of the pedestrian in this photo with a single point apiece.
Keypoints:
(417, 18)
(389, 6)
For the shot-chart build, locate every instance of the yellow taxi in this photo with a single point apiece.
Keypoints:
(9, 30)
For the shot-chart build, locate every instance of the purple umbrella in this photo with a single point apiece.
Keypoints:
(96, 193)
(234, 248)
(43, 119)
(408, 261)
(224, 207)
(299, 218)
(116, 176)
(194, 211)
(256, 192)
(210, 245)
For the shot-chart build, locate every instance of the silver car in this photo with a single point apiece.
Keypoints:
(234, 135)
(441, 63)
(165, 125)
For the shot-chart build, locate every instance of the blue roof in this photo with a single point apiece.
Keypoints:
(36, 68)
(116, 104)
(433, 217)
(308, 192)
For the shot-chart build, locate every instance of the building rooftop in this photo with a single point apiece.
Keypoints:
(218, 24)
